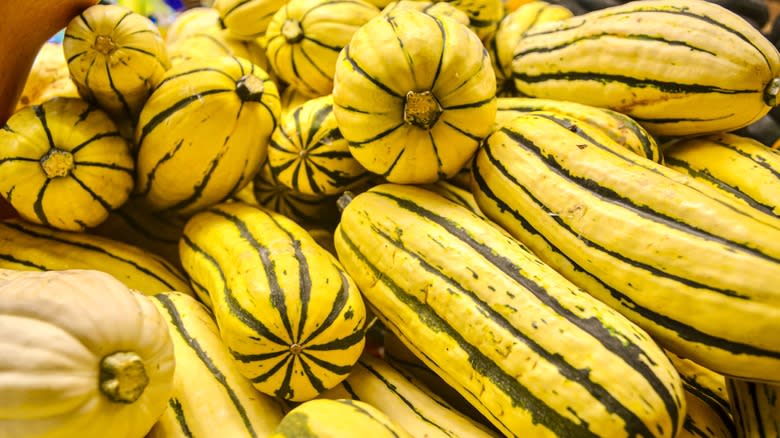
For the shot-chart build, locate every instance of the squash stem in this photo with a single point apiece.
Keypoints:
(292, 32)
(250, 88)
(123, 377)
(771, 92)
(344, 200)
(104, 44)
(422, 109)
(57, 163)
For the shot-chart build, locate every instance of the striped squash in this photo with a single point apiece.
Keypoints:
(291, 98)
(703, 383)
(214, 42)
(309, 155)
(455, 194)
(269, 193)
(204, 133)
(222, 400)
(63, 164)
(701, 68)
(134, 224)
(756, 408)
(484, 15)
(190, 22)
(305, 38)
(438, 9)
(741, 168)
(617, 126)
(414, 96)
(702, 421)
(672, 256)
(353, 419)
(511, 29)
(536, 355)
(115, 57)
(246, 19)
(291, 317)
(27, 247)
(404, 400)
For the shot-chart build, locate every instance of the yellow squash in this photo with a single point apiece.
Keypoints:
(48, 78)
(439, 9)
(338, 419)
(191, 22)
(246, 19)
(63, 164)
(414, 94)
(213, 42)
(756, 408)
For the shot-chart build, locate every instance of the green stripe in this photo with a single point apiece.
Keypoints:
(476, 104)
(389, 170)
(76, 56)
(481, 364)
(285, 390)
(266, 257)
(359, 70)
(175, 405)
(91, 247)
(112, 166)
(381, 135)
(169, 78)
(690, 426)
(328, 77)
(225, 15)
(711, 400)
(320, 43)
(673, 120)
(341, 370)
(234, 307)
(606, 78)
(99, 199)
(684, 331)
(315, 124)
(393, 389)
(38, 209)
(164, 114)
(297, 75)
(757, 159)
(86, 23)
(27, 263)
(127, 14)
(194, 344)
(362, 411)
(249, 358)
(633, 424)
(125, 106)
(153, 172)
(315, 381)
(11, 159)
(649, 146)
(348, 388)
(598, 36)
(273, 370)
(581, 23)
(342, 343)
(338, 305)
(76, 149)
(199, 188)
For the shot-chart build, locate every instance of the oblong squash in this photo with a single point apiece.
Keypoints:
(304, 39)
(28, 247)
(204, 133)
(81, 355)
(532, 352)
(756, 408)
(309, 155)
(64, 164)
(703, 420)
(673, 255)
(209, 393)
(115, 57)
(353, 419)
(291, 317)
(414, 94)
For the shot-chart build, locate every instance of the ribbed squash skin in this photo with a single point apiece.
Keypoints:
(63, 164)
(740, 167)
(678, 67)
(191, 22)
(27, 247)
(291, 317)
(308, 153)
(62, 370)
(291, 98)
(756, 408)
(49, 77)
(617, 126)
(535, 355)
(414, 96)
(511, 29)
(246, 19)
(115, 57)
(702, 420)
(305, 37)
(185, 164)
(209, 393)
(439, 9)
(215, 42)
(484, 15)
(406, 401)
(355, 419)
(457, 195)
(669, 253)
(703, 383)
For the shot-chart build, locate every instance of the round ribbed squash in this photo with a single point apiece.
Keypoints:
(115, 57)
(214, 42)
(501, 45)
(204, 133)
(246, 19)
(308, 153)
(439, 9)
(292, 98)
(82, 356)
(63, 164)
(484, 15)
(191, 22)
(323, 418)
(414, 95)
(305, 37)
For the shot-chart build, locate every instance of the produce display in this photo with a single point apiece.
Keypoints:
(411, 218)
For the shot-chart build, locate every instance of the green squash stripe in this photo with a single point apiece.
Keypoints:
(153, 172)
(125, 106)
(92, 139)
(111, 166)
(362, 411)
(362, 72)
(184, 428)
(26, 263)
(712, 400)
(40, 213)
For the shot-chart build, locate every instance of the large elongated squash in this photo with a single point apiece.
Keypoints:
(291, 317)
(209, 393)
(536, 355)
(28, 247)
(204, 133)
(705, 384)
(703, 420)
(671, 254)
(82, 356)
(246, 19)
(414, 94)
(679, 67)
(756, 408)
(63, 164)
(338, 419)
(740, 167)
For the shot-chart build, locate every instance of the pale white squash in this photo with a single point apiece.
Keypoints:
(81, 355)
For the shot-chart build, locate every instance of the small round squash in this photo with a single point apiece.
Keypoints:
(414, 94)
(82, 356)
(63, 164)
(323, 418)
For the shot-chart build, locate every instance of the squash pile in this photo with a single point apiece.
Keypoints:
(343, 218)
